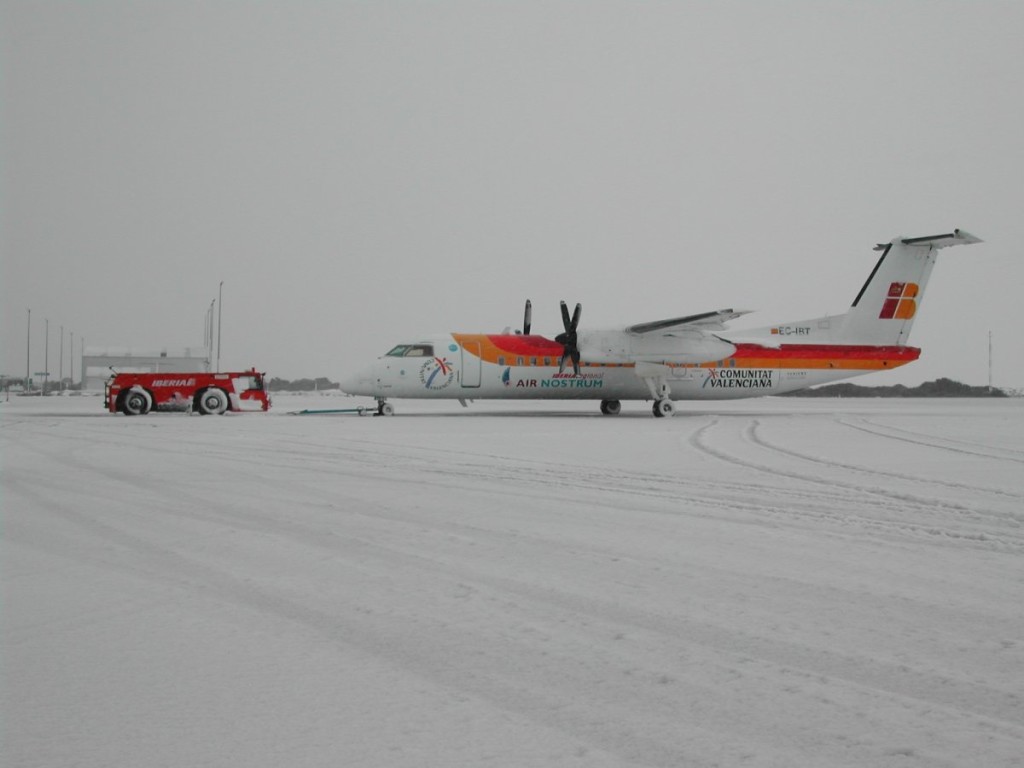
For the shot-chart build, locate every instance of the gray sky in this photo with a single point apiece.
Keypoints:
(359, 174)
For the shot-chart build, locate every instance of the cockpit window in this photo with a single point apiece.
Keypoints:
(244, 383)
(412, 350)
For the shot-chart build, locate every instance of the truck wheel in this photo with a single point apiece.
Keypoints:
(213, 401)
(136, 402)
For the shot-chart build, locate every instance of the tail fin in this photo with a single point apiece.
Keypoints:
(884, 310)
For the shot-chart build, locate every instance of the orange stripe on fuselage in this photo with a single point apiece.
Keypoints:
(506, 349)
(510, 347)
(821, 356)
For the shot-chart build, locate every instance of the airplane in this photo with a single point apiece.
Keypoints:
(694, 357)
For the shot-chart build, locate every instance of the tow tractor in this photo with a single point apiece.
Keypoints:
(134, 394)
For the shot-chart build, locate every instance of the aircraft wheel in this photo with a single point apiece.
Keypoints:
(664, 408)
(213, 402)
(386, 409)
(611, 407)
(136, 402)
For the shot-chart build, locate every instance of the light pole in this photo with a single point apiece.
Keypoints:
(46, 358)
(208, 335)
(990, 361)
(220, 311)
(28, 354)
(60, 366)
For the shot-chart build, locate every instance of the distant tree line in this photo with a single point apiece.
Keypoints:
(302, 385)
(937, 388)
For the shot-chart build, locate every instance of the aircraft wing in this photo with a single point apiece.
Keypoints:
(705, 321)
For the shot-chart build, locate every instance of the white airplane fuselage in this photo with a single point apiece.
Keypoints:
(504, 366)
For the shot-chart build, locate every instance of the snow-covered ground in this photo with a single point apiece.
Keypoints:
(773, 582)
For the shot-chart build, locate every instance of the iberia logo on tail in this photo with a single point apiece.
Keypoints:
(901, 303)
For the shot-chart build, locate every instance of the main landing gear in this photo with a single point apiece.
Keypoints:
(656, 378)
(664, 407)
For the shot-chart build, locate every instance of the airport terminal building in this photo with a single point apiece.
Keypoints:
(99, 362)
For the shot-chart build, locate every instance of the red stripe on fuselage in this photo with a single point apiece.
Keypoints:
(527, 346)
(508, 349)
(834, 351)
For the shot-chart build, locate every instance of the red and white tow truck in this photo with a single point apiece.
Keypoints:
(134, 394)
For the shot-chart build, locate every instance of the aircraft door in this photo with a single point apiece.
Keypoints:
(685, 372)
(470, 364)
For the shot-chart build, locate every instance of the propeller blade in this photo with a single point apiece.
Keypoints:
(574, 356)
(527, 318)
(568, 339)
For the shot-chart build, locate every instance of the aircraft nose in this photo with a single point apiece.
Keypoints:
(357, 384)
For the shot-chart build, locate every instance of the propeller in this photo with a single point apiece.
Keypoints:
(568, 339)
(527, 317)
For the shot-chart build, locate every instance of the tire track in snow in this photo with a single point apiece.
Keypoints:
(489, 675)
(546, 652)
(857, 497)
(531, 478)
(536, 478)
(578, 485)
(759, 440)
(486, 664)
(918, 439)
(898, 680)
(528, 478)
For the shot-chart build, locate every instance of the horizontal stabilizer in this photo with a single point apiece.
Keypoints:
(705, 321)
(956, 237)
